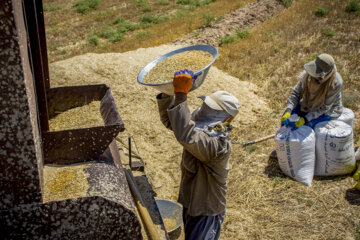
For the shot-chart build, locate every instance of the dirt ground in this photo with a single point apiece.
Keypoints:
(245, 17)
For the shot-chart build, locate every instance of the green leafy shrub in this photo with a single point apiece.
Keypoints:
(154, 19)
(118, 20)
(146, 8)
(321, 12)
(118, 36)
(353, 6)
(227, 39)
(93, 40)
(128, 26)
(207, 19)
(83, 6)
(105, 33)
(242, 33)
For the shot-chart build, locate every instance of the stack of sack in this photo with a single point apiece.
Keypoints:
(326, 150)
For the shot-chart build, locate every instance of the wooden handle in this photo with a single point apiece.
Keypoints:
(148, 223)
(264, 138)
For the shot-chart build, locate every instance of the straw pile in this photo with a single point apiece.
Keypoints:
(80, 117)
(164, 71)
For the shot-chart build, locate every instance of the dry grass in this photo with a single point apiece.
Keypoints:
(68, 31)
(263, 203)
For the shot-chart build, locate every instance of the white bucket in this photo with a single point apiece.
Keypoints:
(295, 150)
(334, 148)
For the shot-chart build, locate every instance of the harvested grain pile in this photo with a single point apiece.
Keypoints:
(80, 117)
(137, 106)
(164, 71)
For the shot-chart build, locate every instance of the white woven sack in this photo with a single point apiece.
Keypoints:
(334, 148)
(347, 117)
(295, 150)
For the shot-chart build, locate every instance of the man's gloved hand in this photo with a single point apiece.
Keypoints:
(285, 116)
(183, 81)
(300, 122)
(284, 119)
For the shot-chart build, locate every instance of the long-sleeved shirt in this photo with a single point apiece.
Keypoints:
(205, 161)
(333, 103)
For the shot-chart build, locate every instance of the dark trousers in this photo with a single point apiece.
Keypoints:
(202, 227)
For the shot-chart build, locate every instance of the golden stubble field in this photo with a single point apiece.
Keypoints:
(260, 70)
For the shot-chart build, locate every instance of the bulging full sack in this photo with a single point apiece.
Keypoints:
(334, 148)
(347, 117)
(295, 150)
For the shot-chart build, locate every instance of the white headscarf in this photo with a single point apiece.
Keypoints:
(206, 119)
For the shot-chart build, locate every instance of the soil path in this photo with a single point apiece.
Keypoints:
(245, 17)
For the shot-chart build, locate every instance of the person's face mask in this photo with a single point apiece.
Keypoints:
(323, 79)
(207, 114)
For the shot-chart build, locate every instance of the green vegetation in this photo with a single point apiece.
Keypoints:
(207, 19)
(142, 34)
(84, 6)
(48, 8)
(239, 34)
(227, 39)
(278, 180)
(194, 3)
(286, 3)
(117, 36)
(218, 19)
(154, 19)
(358, 38)
(251, 148)
(147, 8)
(329, 32)
(321, 12)
(163, 2)
(242, 33)
(141, 3)
(353, 6)
(93, 40)
(113, 35)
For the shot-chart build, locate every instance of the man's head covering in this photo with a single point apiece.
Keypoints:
(321, 66)
(222, 101)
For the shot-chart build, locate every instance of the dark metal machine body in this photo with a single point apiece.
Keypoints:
(27, 102)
